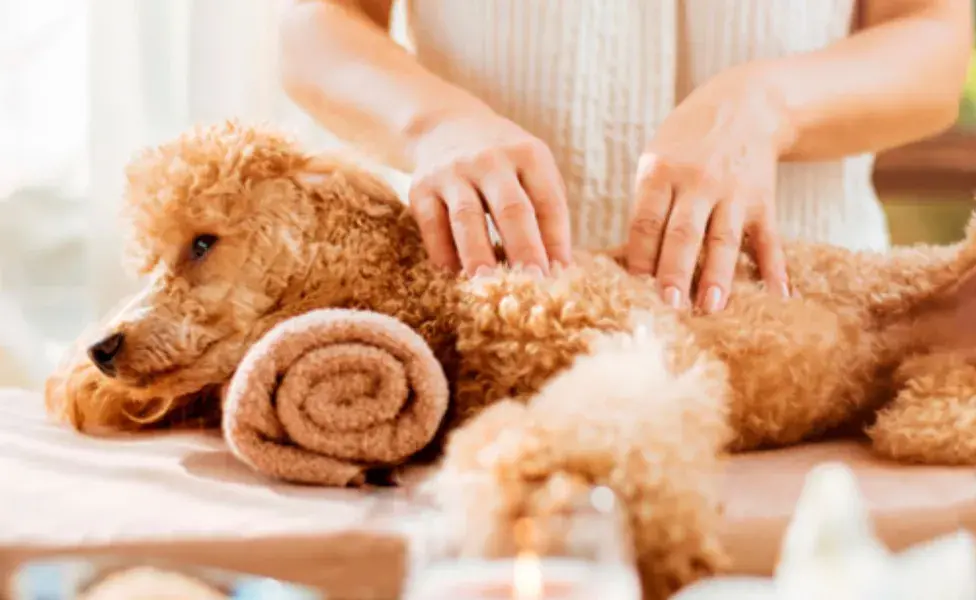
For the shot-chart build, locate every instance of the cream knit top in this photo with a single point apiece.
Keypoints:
(595, 78)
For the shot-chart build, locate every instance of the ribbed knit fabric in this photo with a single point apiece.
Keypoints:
(595, 78)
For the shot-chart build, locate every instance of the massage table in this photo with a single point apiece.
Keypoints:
(182, 497)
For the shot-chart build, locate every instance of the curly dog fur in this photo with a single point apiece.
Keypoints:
(652, 400)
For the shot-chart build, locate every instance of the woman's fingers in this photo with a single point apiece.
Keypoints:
(770, 258)
(723, 242)
(516, 219)
(534, 228)
(541, 181)
(469, 226)
(682, 245)
(435, 227)
(649, 217)
(453, 225)
(515, 181)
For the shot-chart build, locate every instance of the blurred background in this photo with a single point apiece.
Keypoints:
(84, 83)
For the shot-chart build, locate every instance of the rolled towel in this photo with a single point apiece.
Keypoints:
(324, 397)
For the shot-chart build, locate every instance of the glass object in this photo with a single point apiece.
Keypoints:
(579, 551)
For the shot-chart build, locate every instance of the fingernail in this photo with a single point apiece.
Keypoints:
(713, 299)
(672, 296)
(534, 272)
(482, 271)
(785, 289)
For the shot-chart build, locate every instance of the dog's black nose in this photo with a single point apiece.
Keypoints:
(103, 353)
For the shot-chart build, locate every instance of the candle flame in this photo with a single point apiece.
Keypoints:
(528, 577)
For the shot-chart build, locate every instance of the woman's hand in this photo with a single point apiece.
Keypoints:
(707, 179)
(476, 163)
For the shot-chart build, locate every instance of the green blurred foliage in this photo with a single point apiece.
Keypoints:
(927, 218)
(936, 218)
(967, 111)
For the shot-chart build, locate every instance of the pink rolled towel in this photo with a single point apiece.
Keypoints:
(324, 397)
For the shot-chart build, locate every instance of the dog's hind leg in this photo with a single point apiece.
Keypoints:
(630, 416)
(932, 419)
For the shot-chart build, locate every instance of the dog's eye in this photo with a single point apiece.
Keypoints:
(202, 245)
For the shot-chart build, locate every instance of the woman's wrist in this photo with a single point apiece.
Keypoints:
(772, 117)
(444, 106)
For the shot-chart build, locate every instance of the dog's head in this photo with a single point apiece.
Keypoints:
(234, 230)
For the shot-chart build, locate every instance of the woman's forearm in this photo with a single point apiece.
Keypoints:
(897, 80)
(343, 69)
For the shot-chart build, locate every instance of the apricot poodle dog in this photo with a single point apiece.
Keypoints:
(584, 378)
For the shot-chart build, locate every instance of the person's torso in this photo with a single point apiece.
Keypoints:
(595, 78)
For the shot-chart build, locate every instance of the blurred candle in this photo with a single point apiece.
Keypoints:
(526, 577)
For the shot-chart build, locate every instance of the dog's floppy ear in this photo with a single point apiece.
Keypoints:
(327, 169)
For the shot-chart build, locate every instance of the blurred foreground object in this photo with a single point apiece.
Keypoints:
(830, 551)
(576, 546)
(120, 578)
